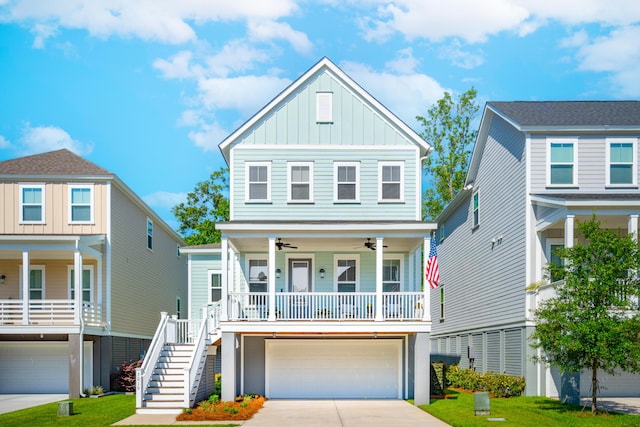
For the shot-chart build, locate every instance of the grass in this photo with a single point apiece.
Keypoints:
(86, 412)
(522, 412)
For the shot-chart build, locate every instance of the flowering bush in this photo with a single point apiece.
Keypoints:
(126, 375)
(499, 385)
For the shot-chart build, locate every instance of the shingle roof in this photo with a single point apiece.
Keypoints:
(571, 113)
(60, 162)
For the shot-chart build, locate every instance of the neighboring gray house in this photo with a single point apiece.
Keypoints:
(537, 168)
(318, 293)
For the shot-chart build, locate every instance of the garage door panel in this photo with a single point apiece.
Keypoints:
(622, 384)
(333, 368)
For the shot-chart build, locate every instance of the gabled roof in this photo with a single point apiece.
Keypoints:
(574, 114)
(321, 66)
(61, 162)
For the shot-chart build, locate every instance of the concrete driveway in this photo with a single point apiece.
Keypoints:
(13, 402)
(624, 405)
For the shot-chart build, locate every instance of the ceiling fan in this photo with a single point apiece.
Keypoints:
(372, 245)
(280, 244)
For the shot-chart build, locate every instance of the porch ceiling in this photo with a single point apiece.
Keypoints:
(326, 244)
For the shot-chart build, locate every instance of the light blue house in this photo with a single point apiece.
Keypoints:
(319, 288)
(537, 168)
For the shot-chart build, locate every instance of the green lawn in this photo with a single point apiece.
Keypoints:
(86, 412)
(522, 412)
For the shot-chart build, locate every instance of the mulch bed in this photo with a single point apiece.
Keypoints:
(222, 411)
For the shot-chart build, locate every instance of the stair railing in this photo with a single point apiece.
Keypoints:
(191, 377)
(144, 372)
(212, 314)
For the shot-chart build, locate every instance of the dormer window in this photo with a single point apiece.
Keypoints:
(621, 162)
(324, 107)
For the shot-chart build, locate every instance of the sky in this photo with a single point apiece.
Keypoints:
(148, 88)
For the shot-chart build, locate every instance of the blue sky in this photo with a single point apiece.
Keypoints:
(148, 88)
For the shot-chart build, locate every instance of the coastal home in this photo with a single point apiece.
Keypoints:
(319, 288)
(67, 224)
(537, 169)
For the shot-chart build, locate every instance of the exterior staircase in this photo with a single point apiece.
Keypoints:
(166, 390)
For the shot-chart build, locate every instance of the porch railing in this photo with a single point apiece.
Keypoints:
(49, 312)
(326, 306)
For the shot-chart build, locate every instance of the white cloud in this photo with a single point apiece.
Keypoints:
(42, 32)
(617, 53)
(208, 136)
(40, 139)
(263, 30)
(164, 199)
(178, 66)
(4, 143)
(574, 12)
(406, 95)
(460, 57)
(404, 64)
(166, 21)
(236, 56)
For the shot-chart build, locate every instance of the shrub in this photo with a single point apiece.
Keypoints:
(97, 390)
(126, 375)
(499, 385)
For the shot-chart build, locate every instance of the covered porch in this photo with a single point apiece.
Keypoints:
(38, 279)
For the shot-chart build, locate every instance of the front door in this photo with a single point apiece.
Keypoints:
(300, 275)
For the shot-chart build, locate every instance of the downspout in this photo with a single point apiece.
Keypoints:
(78, 297)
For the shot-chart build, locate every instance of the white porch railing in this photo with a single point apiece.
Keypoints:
(326, 306)
(49, 312)
(212, 314)
(144, 372)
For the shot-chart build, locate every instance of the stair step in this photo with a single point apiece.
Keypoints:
(174, 397)
(175, 390)
(166, 383)
(164, 404)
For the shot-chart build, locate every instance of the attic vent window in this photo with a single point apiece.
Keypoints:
(324, 109)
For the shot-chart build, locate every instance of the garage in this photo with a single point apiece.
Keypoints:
(623, 384)
(333, 368)
(39, 367)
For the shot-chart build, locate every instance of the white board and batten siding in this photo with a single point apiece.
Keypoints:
(333, 368)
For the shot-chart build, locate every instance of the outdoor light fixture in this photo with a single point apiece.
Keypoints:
(322, 273)
(2, 277)
(278, 272)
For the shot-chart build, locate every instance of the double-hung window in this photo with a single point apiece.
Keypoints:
(391, 275)
(621, 162)
(476, 209)
(87, 281)
(258, 181)
(81, 204)
(346, 272)
(149, 234)
(32, 204)
(215, 285)
(346, 177)
(562, 166)
(36, 281)
(391, 181)
(258, 280)
(300, 182)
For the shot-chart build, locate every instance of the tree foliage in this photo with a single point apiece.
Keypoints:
(592, 322)
(447, 127)
(206, 205)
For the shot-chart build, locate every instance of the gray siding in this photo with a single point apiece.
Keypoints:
(513, 352)
(254, 365)
(484, 283)
(493, 351)
(323, 185)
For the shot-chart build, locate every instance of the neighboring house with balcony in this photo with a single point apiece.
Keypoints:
(67, 224)
(316, 290)
(537, 169)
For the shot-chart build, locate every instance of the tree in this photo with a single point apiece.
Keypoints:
(205, 206)
(447, 127)
(592, 322)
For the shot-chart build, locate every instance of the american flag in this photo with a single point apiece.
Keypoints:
(432, 272)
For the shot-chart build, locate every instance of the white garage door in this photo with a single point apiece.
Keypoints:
(334, 369)
(39, 367)
(621, 385)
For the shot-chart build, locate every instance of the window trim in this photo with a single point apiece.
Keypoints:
(251, 257)
(41, 187)
(72, 187)
(395, 257)
(475, 211)
(381, 166)
(336, 167)
(91, 281)
(551, 241)
(149, 235)
(210, 273)
(324, 107)
(290, 182)
(563, 140)
(178, 308)
(634, 161)
(340, 257)
(442, 302)
(247, 185)
(44, 279)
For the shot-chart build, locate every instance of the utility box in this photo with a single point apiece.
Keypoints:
(481, 403)
(65, 409)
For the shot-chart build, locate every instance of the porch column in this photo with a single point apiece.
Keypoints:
(568, 231)
(77, 285)
(25, 287)
(633, 226)
(426, 288)
(379, 293)
(228, 368)
(272, 278)
(224, 294)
